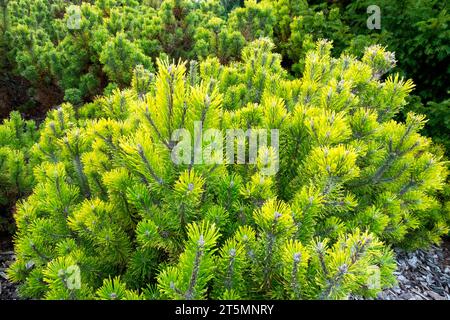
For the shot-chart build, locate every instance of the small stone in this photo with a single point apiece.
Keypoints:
(406, 296)
(413, 262)
(435, 296)
(423, 272)
(401, 278)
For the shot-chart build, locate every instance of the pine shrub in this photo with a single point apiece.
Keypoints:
(112, 216)
(98, 53)
(16, 179)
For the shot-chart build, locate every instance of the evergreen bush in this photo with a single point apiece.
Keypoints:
(16, 179)
(42, 42)
(113, 216)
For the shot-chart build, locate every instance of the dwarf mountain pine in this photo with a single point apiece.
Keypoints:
(109, 206)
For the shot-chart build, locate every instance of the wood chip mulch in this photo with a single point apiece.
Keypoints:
(8, 291)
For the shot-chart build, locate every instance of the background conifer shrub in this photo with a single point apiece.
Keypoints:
(111, 216)
(54, 61)
(42, 43)
(16, 178)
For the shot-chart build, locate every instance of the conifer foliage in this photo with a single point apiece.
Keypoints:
(16, 179)
(112, 216)
(72, 50)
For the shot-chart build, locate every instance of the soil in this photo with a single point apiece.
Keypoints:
(15, 95)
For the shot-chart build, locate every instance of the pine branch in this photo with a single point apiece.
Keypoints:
(192, 282)
(158, 133)
(149, 168)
